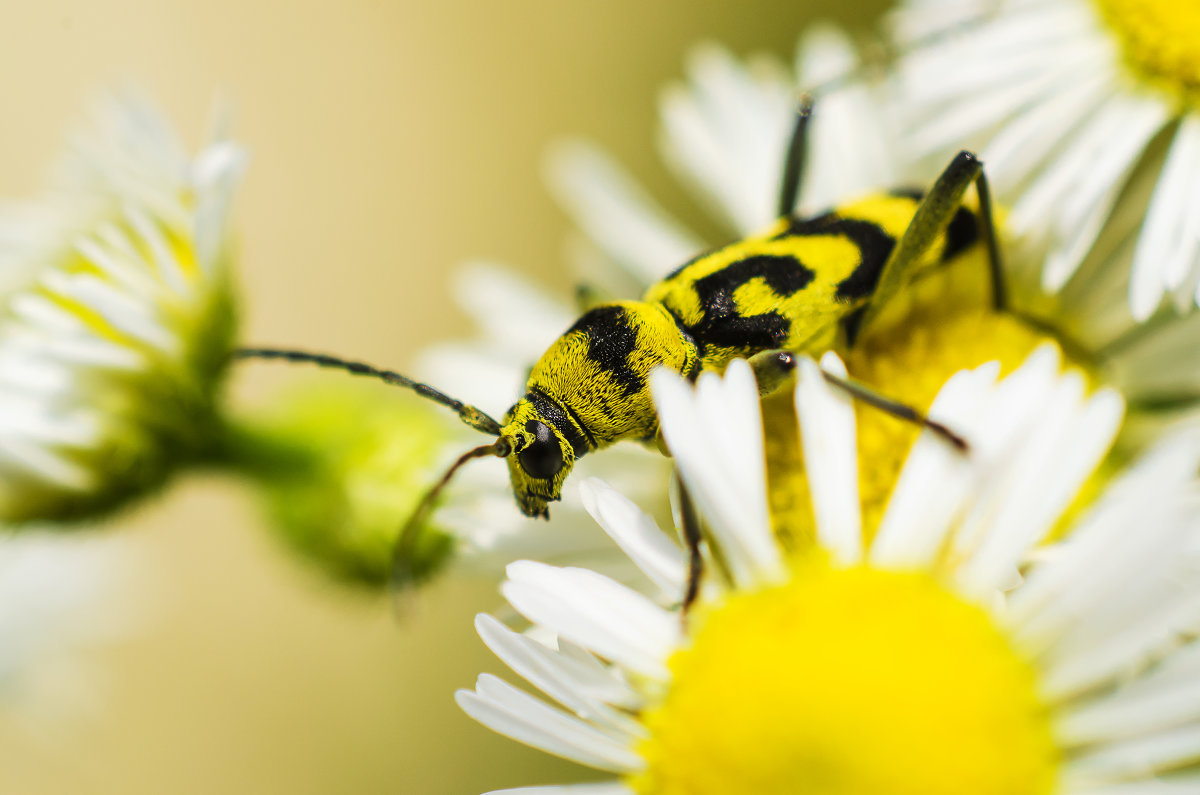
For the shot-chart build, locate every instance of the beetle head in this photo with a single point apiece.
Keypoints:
(540, 461)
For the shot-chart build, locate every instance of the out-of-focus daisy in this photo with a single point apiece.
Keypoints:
(725, 133)
(945, 654)
(115, 317)
(344, 462)
(59, 597)
(1086, 113)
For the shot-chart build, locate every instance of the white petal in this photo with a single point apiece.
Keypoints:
(477, 373)
(848, 138)
(510, 312)
(166, 264)
(559, 677)
(637, 535)
(984, 108)
(48, 464)
(1140, 758)
(1007, 420)
(617, 214)
(1064, 446)
(123, 312)
(216, 174)
(568, 789)
(726, 134)
(827, 434)
(1165, 697)
(1057, 592)
(1028, 140)
(117, 259)
(715, 434)
(599, 614)
(1144, 614)
(1079, 194)
(506, 710)
(1186, 784)
(934, 482)
(1167, 249)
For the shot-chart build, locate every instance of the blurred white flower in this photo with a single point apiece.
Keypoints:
(116, 317)
(724, 135)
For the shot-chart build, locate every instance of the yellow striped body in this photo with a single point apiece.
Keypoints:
(792, 287)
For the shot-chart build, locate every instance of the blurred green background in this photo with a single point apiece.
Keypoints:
(389, 141)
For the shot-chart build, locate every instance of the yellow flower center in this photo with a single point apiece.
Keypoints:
(848, 682)
(937, 328)
(1160, 40)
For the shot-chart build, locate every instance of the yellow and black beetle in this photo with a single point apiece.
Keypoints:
(798, 287)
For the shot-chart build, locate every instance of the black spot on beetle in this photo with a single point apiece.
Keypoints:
(722, 324)
(611, 340)
(961, 234)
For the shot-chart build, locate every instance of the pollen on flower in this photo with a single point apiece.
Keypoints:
(1160, 40)
(848, 682)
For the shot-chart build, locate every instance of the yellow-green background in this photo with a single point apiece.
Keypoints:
(389, 141)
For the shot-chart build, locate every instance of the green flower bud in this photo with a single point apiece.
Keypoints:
(343, 465)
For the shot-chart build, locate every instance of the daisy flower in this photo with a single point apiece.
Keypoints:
(115, 317)
(724, 133)
(945, 652)
(1086, 113)
(344, 463)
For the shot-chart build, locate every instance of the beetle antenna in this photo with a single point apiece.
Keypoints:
(470, 415)
(404, 552)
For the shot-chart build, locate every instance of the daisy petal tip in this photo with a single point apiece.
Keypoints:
(1143, 301)
(523, 570)
(807, 371)
(708, 54)
(1111, 404)
(833, 363)
(590, 491)
(667, 388)
(485, 622)
(566, 156)
(739, 379)
(467, 700)
(1048, 355)
(824, 51)
(989, 371)
(224, 161)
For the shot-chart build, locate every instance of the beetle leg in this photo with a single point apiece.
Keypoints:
(774, 369)
(793, 165)
(930, 221)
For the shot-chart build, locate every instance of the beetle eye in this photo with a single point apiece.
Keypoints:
(542, 459)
